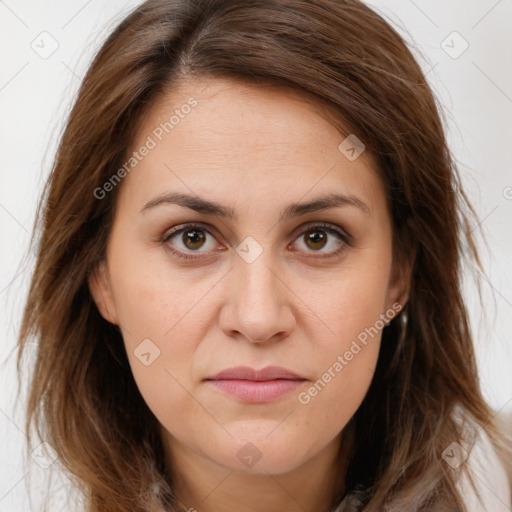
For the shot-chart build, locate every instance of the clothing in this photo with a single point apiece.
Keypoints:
(488, 473)
(490, 478)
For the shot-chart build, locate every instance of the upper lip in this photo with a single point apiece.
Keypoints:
(248, 373)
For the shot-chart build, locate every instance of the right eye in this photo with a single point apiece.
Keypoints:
(189, 239)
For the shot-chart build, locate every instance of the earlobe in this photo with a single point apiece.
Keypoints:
(100, 288)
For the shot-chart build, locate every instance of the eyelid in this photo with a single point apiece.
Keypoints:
(189, 225)
(328, 226)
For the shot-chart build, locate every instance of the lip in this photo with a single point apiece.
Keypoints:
(248, 373)
(256, 386)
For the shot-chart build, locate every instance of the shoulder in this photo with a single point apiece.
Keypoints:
(489, 475)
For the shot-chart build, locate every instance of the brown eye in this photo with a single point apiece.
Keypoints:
(323, 236)
(189, 240)
(315, 239)
(193, 238)
(193, 241)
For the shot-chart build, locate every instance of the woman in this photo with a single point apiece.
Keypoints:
(247, 292)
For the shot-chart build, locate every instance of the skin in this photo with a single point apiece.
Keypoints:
(254, 149)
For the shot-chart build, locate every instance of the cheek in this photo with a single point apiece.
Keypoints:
(164, 317)
(344, 369)
(350, 303)
(165, 331)
(155, 300)
(346, 354)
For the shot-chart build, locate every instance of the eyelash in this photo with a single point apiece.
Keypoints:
(321, 226)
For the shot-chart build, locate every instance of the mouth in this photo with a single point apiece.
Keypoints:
(256, 386)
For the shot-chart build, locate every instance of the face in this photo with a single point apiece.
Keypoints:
(213, 263)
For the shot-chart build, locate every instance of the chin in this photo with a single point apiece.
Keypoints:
(260, 455)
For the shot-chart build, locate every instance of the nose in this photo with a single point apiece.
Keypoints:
(258, 307)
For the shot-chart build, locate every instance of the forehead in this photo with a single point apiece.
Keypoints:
(242, 116)
(219, 136)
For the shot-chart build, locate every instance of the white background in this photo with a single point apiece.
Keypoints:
(475, 90)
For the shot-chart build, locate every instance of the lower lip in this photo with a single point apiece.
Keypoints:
(257, 391)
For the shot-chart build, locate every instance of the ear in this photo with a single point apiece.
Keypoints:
(101, 291)
(400, 280)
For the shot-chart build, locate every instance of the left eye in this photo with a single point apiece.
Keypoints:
(195, 237)
(318, 237)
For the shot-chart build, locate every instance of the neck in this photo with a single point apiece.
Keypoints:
(202, 485)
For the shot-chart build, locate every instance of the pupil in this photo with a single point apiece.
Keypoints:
(316, 237)
(193, 238)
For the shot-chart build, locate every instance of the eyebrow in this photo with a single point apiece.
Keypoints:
(205, 206)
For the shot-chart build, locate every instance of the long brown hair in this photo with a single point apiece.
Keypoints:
(83, 399)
